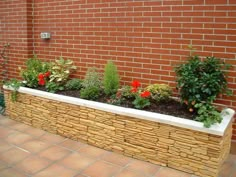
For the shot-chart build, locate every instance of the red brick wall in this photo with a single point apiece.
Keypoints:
(16, 29)
(146, 39)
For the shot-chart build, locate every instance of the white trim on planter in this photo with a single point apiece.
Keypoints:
(216, 129)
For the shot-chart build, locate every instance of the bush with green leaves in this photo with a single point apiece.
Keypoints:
(61, 70)
(90, 93)
(14, 84)
(91, 85)
(199, 83)
(111, 79)
(92, 78)
(159, 92)
(54, 87)
(126, 93)
(208, 114)
(202, 80)
(34, 67)
(73, 84)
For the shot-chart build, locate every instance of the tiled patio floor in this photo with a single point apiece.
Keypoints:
(30, 152)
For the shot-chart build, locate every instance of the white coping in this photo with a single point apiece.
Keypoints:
(216, 129)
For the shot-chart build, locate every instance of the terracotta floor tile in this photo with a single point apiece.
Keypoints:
(101, 169)
(3, 165)
(231, 158)
(13, 155)
(72, 145)
(35, 132)
(8, 122)
(80, 176)
(51, 138)
(35, 146)
(10, 172)
(143, 167)
(128, 173)
(18, 138)
(32, 164)
(5, 132)
(4, 146)
(76, 161)
(166, 172)
(20, 127)
(117, 159)
(227, 169)
(56, 171)
(92, 151)
(54, 153)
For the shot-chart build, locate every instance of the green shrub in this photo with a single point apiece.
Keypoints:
(111, 79)
(54, 87)
(126, 93)
(159, 92)
(142, 100)
(15, 85)
(207, 114)
(199, 82)
(61, 70)
(33, 68)
(91, 85)
(73, 84)
(92, 78)
(90, 93)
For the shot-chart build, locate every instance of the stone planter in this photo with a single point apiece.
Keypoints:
(161, 139)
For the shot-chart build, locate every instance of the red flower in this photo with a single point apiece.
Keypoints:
(47, 74)
(134, 90)
(145, 94)
(40, 76)
(41, 82)
(136, 84)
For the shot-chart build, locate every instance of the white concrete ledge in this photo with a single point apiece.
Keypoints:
(217, 129)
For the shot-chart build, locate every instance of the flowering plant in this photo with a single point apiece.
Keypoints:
(141, 98)
(43, 77)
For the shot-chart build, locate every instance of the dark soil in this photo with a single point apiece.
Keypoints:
(170, 107)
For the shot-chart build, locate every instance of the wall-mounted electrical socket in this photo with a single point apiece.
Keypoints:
(45, 35)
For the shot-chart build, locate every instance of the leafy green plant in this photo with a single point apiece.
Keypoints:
(73, 84)
(54, 87)
(208, 114)
(202, 80)
(199, 82)
(14, 85)
(111, 79)
(33, 68)
(159, 92)
(92, 78)
(142, 100)
(90, 93)
(91, 85)
(126, 93)
(61, 70)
